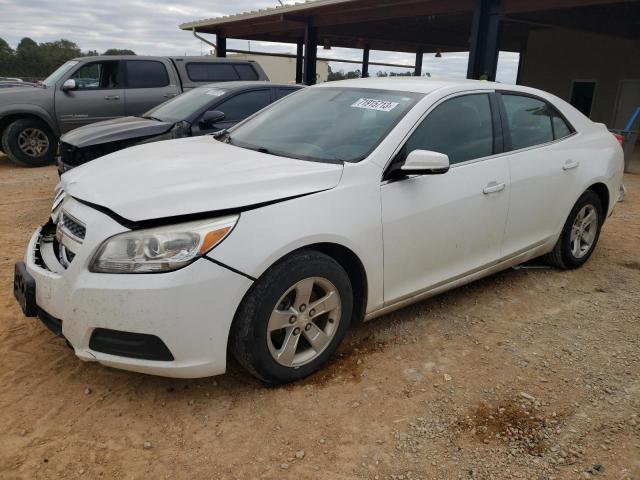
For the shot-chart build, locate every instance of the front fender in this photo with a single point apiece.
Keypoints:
(28, 109)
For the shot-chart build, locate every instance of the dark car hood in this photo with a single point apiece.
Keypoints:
(114, 130)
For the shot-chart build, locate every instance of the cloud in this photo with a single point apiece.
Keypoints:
(151, 27)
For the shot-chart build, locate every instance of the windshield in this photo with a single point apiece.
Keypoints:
(51, 80)
(325, 123)
(179, 108)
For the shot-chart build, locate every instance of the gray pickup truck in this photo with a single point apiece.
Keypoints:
(91, 89)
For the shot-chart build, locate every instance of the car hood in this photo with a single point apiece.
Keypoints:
(193, 176)
(114, 130)
(23, 95)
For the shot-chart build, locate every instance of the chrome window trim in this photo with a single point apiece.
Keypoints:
(384, 181)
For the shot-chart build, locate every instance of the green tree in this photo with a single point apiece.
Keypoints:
(340, 75)
(6, 58)
(118, 51)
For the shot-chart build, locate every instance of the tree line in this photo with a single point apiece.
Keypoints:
(342, 75)
(32, 60)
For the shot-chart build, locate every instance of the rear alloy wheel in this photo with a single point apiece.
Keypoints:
(293, 318)
(580, 233)
(29, 143)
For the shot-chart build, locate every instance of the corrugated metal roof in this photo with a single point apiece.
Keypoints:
(265, 12)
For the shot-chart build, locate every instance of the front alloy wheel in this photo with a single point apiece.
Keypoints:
(304, 321)
(293, 318)
(33, 142)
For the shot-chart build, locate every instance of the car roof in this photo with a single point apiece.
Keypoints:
(416, 84)
(246, 84)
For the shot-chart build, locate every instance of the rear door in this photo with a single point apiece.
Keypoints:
(148, 83)
(99, 95)
(542, 165)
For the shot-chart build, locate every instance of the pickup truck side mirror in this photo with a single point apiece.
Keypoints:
(69, 84)
(211, 117)
(426, 162)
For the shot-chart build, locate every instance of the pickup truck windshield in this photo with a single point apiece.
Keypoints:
(325, 124)
(51, 80)
(179, 108)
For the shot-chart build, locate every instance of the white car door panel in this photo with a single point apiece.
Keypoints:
(544, 176)
(439, 227)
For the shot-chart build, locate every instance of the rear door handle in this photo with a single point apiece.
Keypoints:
(569, 164)
(169, 95)
(493, 187)
(112, 97)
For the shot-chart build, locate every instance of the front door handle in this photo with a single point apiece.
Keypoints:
(112, 97)
(169, 95)
(493, 187)
(569, 164)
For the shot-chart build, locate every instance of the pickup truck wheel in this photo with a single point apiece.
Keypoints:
(29, 143)
(580, 233)
(293, 318)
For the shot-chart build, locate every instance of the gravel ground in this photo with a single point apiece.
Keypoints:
(528, 374)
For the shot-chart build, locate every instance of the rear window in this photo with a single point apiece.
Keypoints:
(219, 72)
(533, 121)
(146, 74)
(246, 72)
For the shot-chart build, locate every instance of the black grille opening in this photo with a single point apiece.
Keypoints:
(129, 344)
(72, 225)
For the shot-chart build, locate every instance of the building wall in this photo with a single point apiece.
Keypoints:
(555, 57)
(283, 69)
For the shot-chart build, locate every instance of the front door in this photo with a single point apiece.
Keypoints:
(440, 227)
(98, 95)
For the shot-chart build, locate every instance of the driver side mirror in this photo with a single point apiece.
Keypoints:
(69, 84)
(426, 162)
(211, 117)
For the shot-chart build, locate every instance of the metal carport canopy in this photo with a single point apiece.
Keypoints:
(399, 25)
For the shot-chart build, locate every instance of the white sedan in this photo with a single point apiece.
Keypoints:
(339, 203)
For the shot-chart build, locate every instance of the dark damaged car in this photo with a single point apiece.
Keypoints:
(200, 111)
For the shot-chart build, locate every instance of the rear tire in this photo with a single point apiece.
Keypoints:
(29, 142)
(580, 233)
(305, 302)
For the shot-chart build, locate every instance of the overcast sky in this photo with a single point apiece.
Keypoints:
(151, 27)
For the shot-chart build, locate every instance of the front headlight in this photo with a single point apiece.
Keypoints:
(161, 249)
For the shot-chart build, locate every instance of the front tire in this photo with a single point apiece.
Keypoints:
(580, 233)
(293, 318)
(29, 142)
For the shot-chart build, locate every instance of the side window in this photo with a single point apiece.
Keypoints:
(98, 76)
(283, 92)
(211, 72)
(246, 72)
(146, 74)
(460, 127)
(529, 120)
(244, 104)
(560, 127)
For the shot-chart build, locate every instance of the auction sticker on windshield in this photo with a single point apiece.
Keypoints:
(373, 104)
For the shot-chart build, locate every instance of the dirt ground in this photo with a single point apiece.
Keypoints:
(528, 374)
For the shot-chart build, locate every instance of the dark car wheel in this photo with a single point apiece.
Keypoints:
(29, 142)
(293, 318)
(580, 233)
